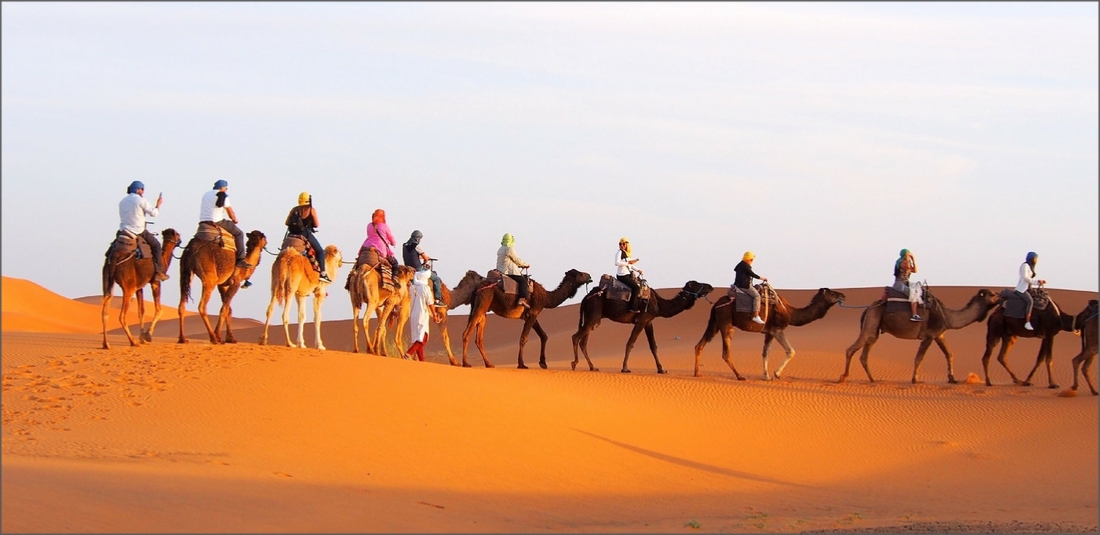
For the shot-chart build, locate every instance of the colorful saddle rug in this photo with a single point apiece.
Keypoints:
(301, 245)
(614, 289)
(743, 301)
(1016, 307)
(215, 233)
(373, 257)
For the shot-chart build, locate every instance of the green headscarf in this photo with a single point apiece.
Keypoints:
(901, 258)
(507, 240)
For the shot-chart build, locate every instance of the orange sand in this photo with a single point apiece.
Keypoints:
(167, 437)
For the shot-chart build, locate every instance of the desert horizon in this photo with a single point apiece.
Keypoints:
(242, 437)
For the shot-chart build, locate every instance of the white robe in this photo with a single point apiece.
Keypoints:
(420, 311)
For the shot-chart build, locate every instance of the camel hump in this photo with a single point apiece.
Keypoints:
(215, 233)
(298, 244)
(508, 284)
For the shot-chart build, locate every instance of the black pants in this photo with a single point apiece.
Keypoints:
(1026, 296)
(238, 235)
(155, 250)
(317, 249)
(521, 285)
(634, 288)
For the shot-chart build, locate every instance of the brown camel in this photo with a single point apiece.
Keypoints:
(937, 322)
(492, 297)
(1085, 322)
(463, 294)
(132, 274)
(216, 267)
(597, 305)
(778, 316)
(365, 288)
(293, 275)
(1047, 322)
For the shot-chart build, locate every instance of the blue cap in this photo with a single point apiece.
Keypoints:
(221, 184)
(1031, 256)
(134, 186)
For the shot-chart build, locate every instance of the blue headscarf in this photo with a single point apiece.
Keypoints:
(134, 186)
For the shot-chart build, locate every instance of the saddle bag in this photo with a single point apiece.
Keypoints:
(215, 233)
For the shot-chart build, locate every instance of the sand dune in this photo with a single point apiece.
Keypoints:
(196, 437)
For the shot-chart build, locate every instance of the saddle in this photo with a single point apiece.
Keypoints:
(1016, 307)
(614, 289)
(301, 245)
(743, 301)
(899, 301)
(215, 233)
(126, 244)
(508, 284)
(372, 257)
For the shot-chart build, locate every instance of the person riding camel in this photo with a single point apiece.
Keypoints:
(743, 276)
(624, 272)
(132, 210)
(509, 263)
(380, 237)
(415, 257)
(303, 221)
(215, 210)
(906, 265)
(1028, 279)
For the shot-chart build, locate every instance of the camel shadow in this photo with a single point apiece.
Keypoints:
(692, 464)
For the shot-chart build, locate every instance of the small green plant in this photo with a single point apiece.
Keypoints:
(694, 524)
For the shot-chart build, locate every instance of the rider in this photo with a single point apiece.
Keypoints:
(216, 211)
(1027, 281)
(509, 263)
(415, 257)
(906, 265)
(743, 276)
(302, 220)
(132, 210)
(624, 272)
(380, 237)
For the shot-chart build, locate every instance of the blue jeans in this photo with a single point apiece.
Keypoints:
(437, 287)
(320, 251)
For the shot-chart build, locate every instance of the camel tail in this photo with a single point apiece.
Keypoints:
(584, 301)
(108, 278)
(712, 325)
(187, 270)
(281, 284)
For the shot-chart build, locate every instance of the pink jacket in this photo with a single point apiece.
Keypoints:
(381, 242)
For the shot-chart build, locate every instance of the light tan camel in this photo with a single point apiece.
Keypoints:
(936, 324)
(132, 274)
(216, 267)
(779, 316)
(492, 297)
(1085, 322)
(293, 275)
(463, 294)
(365, 289)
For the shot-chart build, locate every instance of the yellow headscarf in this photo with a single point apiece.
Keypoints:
(627, 242)
(303, 198)
(507, 240)
(748, 256)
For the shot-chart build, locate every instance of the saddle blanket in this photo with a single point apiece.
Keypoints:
(743, 301)
(897, 301)
(126, 243)
(301, 246)
(508, 284)
(1016, 307)
(372, 257)
(218, 234)
(614, 289)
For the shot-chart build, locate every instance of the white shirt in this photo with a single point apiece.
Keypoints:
(421, 294)
(623, 264)
(208, 211)
(132, 210)
(508, 262)
(1027, 278)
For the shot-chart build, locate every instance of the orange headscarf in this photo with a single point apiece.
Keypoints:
(379, 216)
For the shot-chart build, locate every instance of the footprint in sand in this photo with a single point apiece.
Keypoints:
(282, 474)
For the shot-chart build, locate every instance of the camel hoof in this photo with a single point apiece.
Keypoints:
(952, 380)
(1024, 383)
(574, 365)
(522, 366)
(739, 378)
(230, 341)
(321, 348)
(542, 365)
(624, 370)
(263, 341)
(106, 345)
(661, 372)
(466, 365)
(777, 376)
(146, 337)
(593, 369)
(487, 365)
(767, 377)
(1052, 385)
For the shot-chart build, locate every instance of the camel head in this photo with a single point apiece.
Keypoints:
(987, 297)
(255, 239)
(170, 236)
(695, 289)
(829, 296)
(471, 277)
(575, 279)
(404, 275)
(337, 257)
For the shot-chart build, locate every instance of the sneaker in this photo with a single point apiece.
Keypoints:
(916, 317)
(1028, 326)
(160, 277)
(756, 319)
(243, 264)
(324, 278)
(523, 303)
(439, 303)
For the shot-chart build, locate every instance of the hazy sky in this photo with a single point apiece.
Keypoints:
(823, 137)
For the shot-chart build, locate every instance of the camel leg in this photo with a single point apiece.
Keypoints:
(226, 313)
(471, 324)
(355, 328)
(543, 338)
(1084, 362)
(991, 341)
(300, 300)
(527, 324)
(865, 357)
(782, 338)
(708, 335)
(267, 319)
(1007, 341)
(941, 341)
(630, 344)
(157, 311)
(126, 295)
(403, 314)
(446, 337)
(207, 290)
(767, 345)
(1046, 355)
(1038, 361)
(318, 299)
(727, 341)
(480, 341)
(864, 341)
(106, 305)
(580, 342)
(140, 295)
(653, 347)
(925, 343)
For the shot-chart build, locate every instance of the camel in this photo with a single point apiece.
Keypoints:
(132, 274)
(1047, 322)
(216, 267)
(933, 329)
(1085, 322)
(292, 275)
(596, 305)
(463, 294)
(492, 297)
(365, 288)
(778, 316)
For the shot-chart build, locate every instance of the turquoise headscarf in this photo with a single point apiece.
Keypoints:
(897, 265)
(507, 240)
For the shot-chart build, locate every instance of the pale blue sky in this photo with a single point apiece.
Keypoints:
(824, 137)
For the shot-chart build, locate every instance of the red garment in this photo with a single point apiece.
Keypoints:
(418, 348)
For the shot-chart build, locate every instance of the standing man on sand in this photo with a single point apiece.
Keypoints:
(132, 210)
(216, 211)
